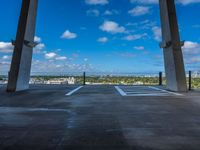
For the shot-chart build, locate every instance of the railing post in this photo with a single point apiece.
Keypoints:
(84, 78)
(160, 79)
(190, 80)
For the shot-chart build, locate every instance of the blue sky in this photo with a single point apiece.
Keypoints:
(100, 35)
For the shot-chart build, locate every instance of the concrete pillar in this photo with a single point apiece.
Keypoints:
(19, 75)
(173, 57)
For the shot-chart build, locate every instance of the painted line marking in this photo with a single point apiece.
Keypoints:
(121, 92)
(160, 92)
(158, 89)
(146, 92)
(144, 95)
(73, 91)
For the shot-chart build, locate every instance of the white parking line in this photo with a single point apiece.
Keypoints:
(120, 91)
(137, 92)
(158, 89)
(73, 91)
(146, 95)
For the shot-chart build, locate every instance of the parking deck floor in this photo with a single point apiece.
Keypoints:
(53, 117)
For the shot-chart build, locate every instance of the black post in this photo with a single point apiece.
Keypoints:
(160, 79)
(84, 78)
(190, 80)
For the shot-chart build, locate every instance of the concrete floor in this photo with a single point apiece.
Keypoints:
(99, 118)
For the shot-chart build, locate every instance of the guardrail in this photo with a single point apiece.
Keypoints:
(193, 79)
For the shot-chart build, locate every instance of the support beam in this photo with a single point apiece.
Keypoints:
(19, 75)
(173, 57)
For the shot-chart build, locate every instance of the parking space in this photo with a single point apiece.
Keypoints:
(144, 91)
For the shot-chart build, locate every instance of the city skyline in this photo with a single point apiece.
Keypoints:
(100, 35)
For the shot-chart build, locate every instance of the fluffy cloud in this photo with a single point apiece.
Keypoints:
(40, 45)
(139, 11)
(157, 33)
(96, 2)
(144, 1)
(191, 51)
(111, 12)
(54, 56)
(61, 58)
(191, 48)
(6, 57)
(183, 2)
(68, 35)
(135, 37)
(4, 63)
(103, 40)
(112, 27)
(50, 55)
(6, 47)
(37, 39)
(139, 48)
(127, 54)
(56, 67)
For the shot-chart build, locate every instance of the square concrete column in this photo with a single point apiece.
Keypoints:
(19, 75)
(173, 57)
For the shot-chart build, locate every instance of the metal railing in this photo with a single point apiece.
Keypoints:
(87, 78)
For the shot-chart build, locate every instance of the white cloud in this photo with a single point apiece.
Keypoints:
(40, 45)
(37, 39)
(50, 55)
(112, 27)
(38, 48)
(191, 45)
(103, 40)
(157, 33)
(5, 63)
(126, 54)
(191, 51)
(96, 2)
(191, 48)
(108, 12)
(194, 59)
(54, 56)
(144, 1)
(135, 37)
(6, 57)
(183, 2)
(139, 48)
(111, 12)
(69, 35)
(186, 2)
(6, 47)
(57, 67)
(61, 58)
(139, 11)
